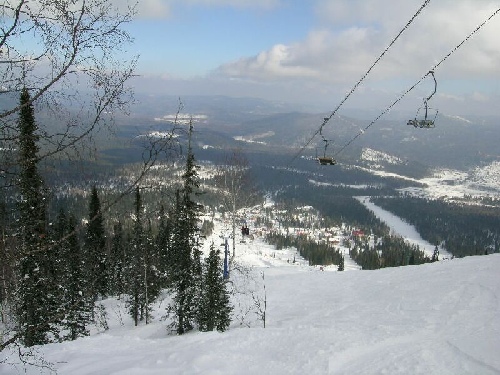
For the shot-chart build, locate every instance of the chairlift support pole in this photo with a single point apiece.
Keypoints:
(226, 253)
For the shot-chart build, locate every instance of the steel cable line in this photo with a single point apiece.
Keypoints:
(418, 82)
(326, 119)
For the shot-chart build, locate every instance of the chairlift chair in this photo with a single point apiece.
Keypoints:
(326, 160)
(426, 121)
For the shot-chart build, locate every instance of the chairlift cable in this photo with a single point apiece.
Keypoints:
(326, 119)
(420, 80)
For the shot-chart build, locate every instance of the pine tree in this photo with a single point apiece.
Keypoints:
(411, 262)
(135, 266)
(34, 306)
(163, 247)
(5, 263)
(58, 246)
(181, 281)
(435, 255)
(341, 264)
(215, 309)
(77, 305)
(95, 248)
(184, 271)
(116, 261)
(152, 277)
(141, 273)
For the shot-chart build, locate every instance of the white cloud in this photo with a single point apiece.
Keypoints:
(154, 9)
(443, 26)
(272, 63)
(265, 4)
(479, 97)
(352, 34)
(347, 37)
(346, 12)
(324, 55)
(164, 8)
(451, 97)
(150, 9)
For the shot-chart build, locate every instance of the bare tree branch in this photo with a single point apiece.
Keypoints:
(237, 185)
(66, 54)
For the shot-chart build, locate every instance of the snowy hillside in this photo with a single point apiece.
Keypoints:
(375, 158)
(439, 318)
(401, 228)
(487, 176)
(444, 183)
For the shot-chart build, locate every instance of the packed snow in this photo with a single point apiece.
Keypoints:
(438, 318)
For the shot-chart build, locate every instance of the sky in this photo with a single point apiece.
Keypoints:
(314, 52)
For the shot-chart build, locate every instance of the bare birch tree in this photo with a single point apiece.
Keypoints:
(237, 185)
(71, 57)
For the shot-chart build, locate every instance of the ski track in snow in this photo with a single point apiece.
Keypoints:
(402, 228)
(440, 318)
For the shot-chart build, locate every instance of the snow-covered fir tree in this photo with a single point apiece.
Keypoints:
(116, 263)
(163, 247)
(185, 270)
(76, 304)
(95, 248)
(35, 302)
(341, 264)
(215, 308)
(135, 269)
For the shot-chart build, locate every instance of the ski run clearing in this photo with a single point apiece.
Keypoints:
(401, 228)
(439, 318)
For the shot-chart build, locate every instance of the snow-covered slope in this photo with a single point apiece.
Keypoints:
(445, 183)
(487, 176)
(439, 318)
(375, 158)
(401, 228)
(480, 181)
